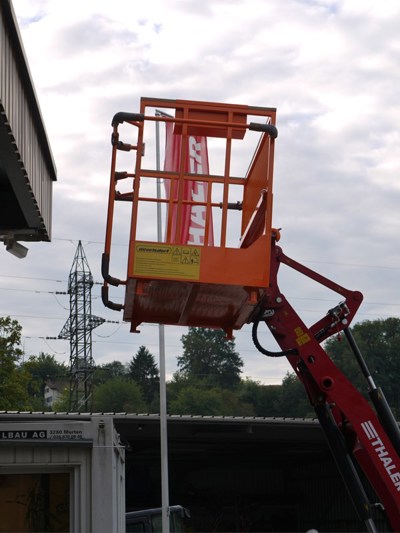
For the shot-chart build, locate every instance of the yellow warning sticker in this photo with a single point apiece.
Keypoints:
(167, 261)
(302, 338)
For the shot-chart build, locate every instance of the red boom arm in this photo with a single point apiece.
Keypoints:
(353, 430)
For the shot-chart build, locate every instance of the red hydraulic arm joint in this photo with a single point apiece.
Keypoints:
(356, 433)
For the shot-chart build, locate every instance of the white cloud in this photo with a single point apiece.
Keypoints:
(330, 67)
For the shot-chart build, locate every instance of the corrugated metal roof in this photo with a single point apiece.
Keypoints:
(155, 416)
(27, 168)
(18, 49)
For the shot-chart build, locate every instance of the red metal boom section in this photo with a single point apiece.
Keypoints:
(353, 429)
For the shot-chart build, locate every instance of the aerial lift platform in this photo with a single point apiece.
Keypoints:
(208, 284)
(229, 277)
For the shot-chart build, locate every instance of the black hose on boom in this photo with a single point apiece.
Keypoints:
(263, 350)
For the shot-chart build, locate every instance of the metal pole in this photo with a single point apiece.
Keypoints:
(163, 387)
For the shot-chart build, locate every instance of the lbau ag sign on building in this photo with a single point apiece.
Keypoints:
(24, 435)
(61, 474)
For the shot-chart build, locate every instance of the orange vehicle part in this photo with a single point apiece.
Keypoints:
(214, 283)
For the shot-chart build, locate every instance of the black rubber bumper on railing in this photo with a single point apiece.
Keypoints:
(265, 128)
(123, 116)
(105, 264)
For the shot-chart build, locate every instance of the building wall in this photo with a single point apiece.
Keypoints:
(232, 474)
(67, 475)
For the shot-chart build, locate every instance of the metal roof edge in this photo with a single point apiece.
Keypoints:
(155, 416)
(8, 10)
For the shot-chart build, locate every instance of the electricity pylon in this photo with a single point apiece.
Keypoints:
(78, 329)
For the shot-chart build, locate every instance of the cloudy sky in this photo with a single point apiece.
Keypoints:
(332, 70)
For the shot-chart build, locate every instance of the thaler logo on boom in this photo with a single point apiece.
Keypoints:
(382, 453)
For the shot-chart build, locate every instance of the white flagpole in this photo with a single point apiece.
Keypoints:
(163, 386)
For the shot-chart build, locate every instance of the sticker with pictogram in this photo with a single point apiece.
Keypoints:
(166, 261)
(302, 338)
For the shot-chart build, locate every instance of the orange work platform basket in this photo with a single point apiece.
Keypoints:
(194, 191)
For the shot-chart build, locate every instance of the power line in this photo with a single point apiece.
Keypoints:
(63, 293)
(351, 265)
(111, 334)
(33, 316)
(59, 303)
(75, 241)
(310, 261)
(30, 290)
(53, 350)
(365, 302)
(147, 325)
(18, 289)
(32, 278)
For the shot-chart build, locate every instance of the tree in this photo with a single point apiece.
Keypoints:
(188, 396)
(379, 342)
(207, 354)
(263, 398)
(62, 404)
(119, 395)
(13, 383)
(193, 400)
(292, 399)
(143, 370)
(108, 371)
(42, 368)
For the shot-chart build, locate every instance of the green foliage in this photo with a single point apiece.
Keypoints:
(194, 400)
(118, 395)
(189, 396)
(62, 404)
(143, 370)
(379, 343)
(104, 373)
(208, 381)
(292, 399)
(263, 398)
(42, 368)
(13, 383)
(207, 354)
